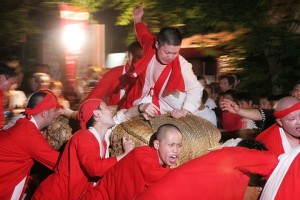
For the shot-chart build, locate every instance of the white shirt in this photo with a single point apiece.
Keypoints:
(189, 100)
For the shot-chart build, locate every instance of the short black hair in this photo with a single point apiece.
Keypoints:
(35, 99)
(170, 36)
(134, 46)
(160, 131)
(252, 144)
(7, 71)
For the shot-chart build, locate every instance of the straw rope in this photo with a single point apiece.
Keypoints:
(199, 135)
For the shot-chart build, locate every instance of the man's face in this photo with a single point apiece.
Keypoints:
(224, 85)
(265, 104)
(296, 92)
(166, 53)
(291, 123)
(52, 114)
(6, 83)
(106, 115)
(169, 147)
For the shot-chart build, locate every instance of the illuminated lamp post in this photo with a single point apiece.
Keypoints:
(74, 22)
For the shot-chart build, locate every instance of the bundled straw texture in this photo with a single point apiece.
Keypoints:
(199, 135)
(59, 132)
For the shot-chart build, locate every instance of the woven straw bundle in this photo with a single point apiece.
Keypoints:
(199, 135)
(59, 132)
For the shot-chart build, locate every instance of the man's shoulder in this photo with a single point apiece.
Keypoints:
(268, 133)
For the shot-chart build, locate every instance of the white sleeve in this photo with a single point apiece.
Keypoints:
(193, 88)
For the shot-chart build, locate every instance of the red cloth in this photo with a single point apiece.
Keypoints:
(272, 140)
(283, 113)
(49, 101)
(86, 111)
(147, 41)
(231, 121)
(289, 187)
(109, 86)
(20, 145)
(217, 175)
(2, 120)
(79, 164)
(130, 176)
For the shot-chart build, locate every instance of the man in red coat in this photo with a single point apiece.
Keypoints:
(284, 181)
(23, 143)
(113, 85)
(7, 79)
(220, 174)
(142, 167)
(86, 156)
(164, 79)
(284, 135)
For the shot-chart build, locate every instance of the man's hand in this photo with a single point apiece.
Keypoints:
(230, 106)
(138, 14)
(179, 113)
(128, 145)
(149, 110)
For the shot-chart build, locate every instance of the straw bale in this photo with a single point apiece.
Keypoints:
(58, 132)
(199, 135)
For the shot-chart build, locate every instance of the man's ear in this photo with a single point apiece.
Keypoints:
(156, 144)
(96, 114)
(44, 113)
(279, 122)
(156, 45)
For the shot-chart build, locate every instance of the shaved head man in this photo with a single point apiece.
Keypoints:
(285, 134)
(142, 167)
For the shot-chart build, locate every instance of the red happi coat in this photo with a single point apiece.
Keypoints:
(218, 175)
(109, 86)
(138, 170)
(80, 163)
(272, 139)
(19, 147)
(289, 188)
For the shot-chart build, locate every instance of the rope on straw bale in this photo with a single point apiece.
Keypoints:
(199, 135)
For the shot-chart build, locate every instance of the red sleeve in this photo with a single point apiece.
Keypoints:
(104, 86)
(41, 151)
(150, 167)
(254, 161)
(145, 38)
(89, 156)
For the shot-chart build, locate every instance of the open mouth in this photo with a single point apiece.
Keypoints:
(173, 159)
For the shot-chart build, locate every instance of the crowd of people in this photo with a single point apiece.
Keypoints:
(154, 80)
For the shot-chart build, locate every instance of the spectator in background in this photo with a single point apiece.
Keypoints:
(204, 112)
(296, 91)
(57, 88)
(265, 102)
(7, 79)
(210, 103)
(40, 81)
(244, 101)
(226, 82)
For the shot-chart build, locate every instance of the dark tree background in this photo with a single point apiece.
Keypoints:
(265, 54)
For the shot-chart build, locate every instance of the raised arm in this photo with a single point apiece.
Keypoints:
(138, 14)
(250, 113)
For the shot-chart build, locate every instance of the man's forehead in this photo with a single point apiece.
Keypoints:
(292, 114)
